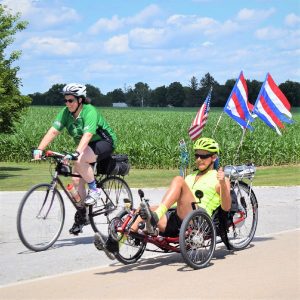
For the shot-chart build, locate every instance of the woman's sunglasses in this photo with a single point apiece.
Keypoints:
(203, 156)
(69, 100)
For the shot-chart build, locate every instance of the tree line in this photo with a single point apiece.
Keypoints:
(175, 94)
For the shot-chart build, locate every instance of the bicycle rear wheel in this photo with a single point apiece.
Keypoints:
(245, 219)
(116, 195)
(130, 249)
(197, 239)
(40, 218)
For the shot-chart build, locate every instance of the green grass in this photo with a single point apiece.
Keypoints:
(21, 176)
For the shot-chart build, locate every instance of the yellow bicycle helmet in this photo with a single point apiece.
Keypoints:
(207, 144)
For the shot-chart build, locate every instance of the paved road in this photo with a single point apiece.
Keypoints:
(279, 210)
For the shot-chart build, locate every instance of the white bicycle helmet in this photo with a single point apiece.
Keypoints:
(75, 89)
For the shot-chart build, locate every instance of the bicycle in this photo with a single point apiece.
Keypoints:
(198, 233)
(41, 213)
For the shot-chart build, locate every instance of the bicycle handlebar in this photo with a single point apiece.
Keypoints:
(54, 154)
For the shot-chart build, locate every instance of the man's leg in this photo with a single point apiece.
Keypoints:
(179, 192)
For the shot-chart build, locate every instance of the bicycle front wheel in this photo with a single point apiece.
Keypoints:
(197, 239)
(40, 218)
(116, 195)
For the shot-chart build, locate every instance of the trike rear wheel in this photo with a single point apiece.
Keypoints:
(245, 219)
(197, 239)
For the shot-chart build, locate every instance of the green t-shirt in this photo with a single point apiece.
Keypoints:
(88, 120)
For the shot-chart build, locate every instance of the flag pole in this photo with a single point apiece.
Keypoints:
(241, 142)
(217, 124)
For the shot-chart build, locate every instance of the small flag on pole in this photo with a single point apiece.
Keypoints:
(201, 118)
(237, 105)
(272, 106)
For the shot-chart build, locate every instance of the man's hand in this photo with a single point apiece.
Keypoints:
(221, 175)
(37, 154)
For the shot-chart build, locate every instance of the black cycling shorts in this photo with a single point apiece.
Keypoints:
(173, 224)
(102, 148)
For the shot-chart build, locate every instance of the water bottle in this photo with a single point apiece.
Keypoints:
(74, 193)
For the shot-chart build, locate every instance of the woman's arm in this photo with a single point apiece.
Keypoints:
(48, 138)
(223, 189)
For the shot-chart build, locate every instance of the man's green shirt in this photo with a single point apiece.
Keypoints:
(89, 120)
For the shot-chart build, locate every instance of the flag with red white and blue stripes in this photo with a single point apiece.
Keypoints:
(201, 118)
(237, 106)
(272, 106)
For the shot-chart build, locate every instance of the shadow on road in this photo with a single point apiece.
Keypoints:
(175, 259)
(66, 243)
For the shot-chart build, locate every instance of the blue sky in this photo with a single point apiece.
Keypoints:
(117, 43)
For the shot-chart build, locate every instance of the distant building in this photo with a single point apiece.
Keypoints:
(120, 104)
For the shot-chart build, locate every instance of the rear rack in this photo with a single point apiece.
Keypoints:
(240, 171)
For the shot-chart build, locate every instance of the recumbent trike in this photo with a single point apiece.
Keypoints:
(199, 232)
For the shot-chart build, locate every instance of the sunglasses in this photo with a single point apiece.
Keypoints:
(203, 156)
(69, 100)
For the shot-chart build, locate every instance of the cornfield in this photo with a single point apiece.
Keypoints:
(150, 137)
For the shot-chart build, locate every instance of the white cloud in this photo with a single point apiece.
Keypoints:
(142, 17)
(292, 20)
(269, 33)
(207, 44)
(65, 14)
(115, 23)
(246, 14)
(117, 44)
(99, 66)
(50, 45)
(25, 7)
(147, 38)
(105, 24)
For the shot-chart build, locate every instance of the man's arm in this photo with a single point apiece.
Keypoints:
(223, 189)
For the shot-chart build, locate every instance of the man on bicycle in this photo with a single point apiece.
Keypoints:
(93, 136)
(181, 193)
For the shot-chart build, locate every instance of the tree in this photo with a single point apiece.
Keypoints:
(291, 90)
(12, 103)
(54, 95)
(117, 95)
(142, 92)
(207, 81)
(98, 99)
(175, 94)
(192, 93)
(158, 96)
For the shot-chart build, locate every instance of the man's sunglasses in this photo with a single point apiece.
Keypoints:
(203, 156)
(69, 100)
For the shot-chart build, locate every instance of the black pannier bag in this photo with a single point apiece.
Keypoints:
(117, 164)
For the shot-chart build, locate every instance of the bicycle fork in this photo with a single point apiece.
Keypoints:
(46, 200)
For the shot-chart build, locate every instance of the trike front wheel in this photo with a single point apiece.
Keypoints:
(130, 248)
(197, 239)
(40, 217)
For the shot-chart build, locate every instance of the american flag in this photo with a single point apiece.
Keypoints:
(200, 119)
